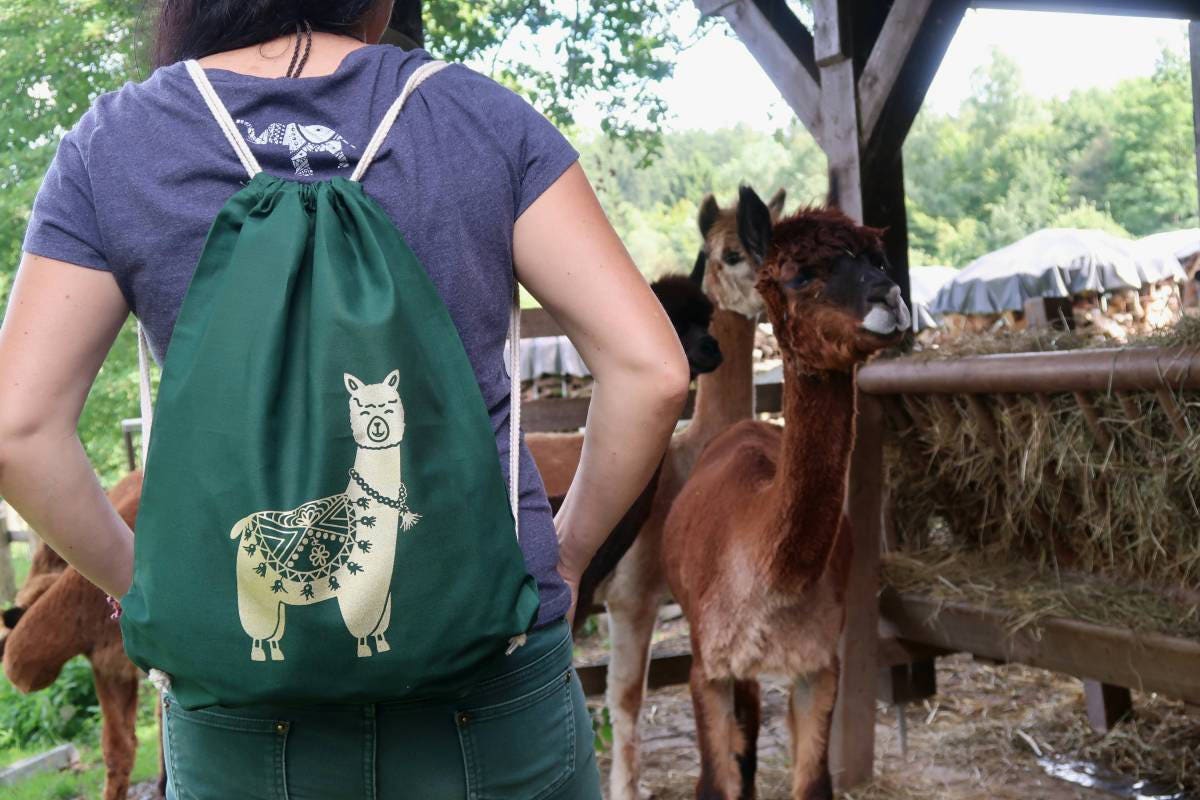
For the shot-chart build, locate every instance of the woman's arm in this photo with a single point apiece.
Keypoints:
(568, 256)
(61, 321)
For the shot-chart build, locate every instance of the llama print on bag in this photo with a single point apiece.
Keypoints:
(301, 140)
(341, 546)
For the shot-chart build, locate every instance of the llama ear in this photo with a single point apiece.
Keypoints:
(393, 379)
(698, 268)
(353, 384)
(775, 204)
(709, 211)
(754, 224)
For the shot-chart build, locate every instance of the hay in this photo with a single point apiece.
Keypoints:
(1050, 494)
(1027, 597)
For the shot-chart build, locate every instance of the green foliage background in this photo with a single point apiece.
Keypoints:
(1002, 165)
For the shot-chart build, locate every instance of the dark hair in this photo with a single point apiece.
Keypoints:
(196, 28)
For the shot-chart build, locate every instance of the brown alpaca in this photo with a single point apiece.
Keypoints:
(636, 587)
(756, 547)
(63, 615)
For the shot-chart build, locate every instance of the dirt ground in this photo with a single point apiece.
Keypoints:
(978, 739)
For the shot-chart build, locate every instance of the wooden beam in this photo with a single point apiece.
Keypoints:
(1174, 9)
(891, 50)
(916, 73)
(852, 740)
(772, 53)
(1147, 662)
(829, 32)
(798, 38)
(1194, 38)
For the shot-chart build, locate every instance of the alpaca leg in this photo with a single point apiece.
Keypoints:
(718, 735)
(381, 645)
(631, 626)
(118, 735)
(275, 650)
(747, 707)
(810, 710)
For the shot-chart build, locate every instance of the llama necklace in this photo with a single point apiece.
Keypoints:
(398, 503)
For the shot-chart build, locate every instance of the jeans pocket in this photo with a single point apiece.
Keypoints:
(217, 755)
(522, 748)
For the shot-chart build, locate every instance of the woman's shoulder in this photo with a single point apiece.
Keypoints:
(123, 111)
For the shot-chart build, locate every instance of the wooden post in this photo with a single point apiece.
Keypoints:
(1194, 36)
(8, 580)
(1106, 704)
(852, 740)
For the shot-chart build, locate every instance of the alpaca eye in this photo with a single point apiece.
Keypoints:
(364, 413)
(732, 257)
(389, 411)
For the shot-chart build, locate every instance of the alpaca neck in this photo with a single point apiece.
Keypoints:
(810, 485)
(380, 468)
(725, 395)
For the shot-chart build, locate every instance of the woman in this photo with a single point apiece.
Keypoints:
(480, 185)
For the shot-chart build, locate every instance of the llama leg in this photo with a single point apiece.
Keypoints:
(381, 645)
(275, 650)
(631, 626)
(810, 710)
(718, 735)
(260, 610)
(747, 707)
(118, 737)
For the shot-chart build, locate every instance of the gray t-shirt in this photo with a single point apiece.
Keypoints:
(135, 185)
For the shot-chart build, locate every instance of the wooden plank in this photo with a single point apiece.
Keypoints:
(904, 21)
(670, 664)
(1107, 705)
(798, 88)
(839, 115)
(538, 322)
(1147, 662)
(53, 760)
(570, 413)
(852, 739)
(1172, 9)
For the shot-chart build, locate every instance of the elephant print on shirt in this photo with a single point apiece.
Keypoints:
(300, 141)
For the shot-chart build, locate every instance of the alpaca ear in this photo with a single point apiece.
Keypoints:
(698, 268)
(709, 211)
(775, 204)
(754, 224)
(393, 379)
(353, 384)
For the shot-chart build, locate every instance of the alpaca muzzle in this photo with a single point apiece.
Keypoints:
(889, 316)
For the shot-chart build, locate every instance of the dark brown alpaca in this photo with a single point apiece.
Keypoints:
(756, 547)
(690, 311)
(634, 590)
(63, 615)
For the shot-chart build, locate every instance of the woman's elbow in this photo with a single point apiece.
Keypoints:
(672, 378)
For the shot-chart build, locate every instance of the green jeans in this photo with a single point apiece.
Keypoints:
(522, 732)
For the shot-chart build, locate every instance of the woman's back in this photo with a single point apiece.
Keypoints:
(136, 184)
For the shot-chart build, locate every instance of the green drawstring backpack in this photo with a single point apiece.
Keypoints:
(323, 517)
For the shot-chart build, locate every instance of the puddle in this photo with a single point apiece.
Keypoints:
(1082, 773)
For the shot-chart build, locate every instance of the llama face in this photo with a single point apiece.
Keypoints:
(825, 285)
(376, 414)
(690, 311)
(725, 268)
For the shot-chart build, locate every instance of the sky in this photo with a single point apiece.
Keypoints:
(718, 84)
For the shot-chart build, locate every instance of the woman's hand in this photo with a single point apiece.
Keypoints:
(568, 256)
(61, 321)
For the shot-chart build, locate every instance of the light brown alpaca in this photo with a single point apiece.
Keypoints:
(756, 547)
(637, 586)
(62, 615)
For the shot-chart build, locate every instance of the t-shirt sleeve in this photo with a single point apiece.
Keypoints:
(537, 150)
(63, 224)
